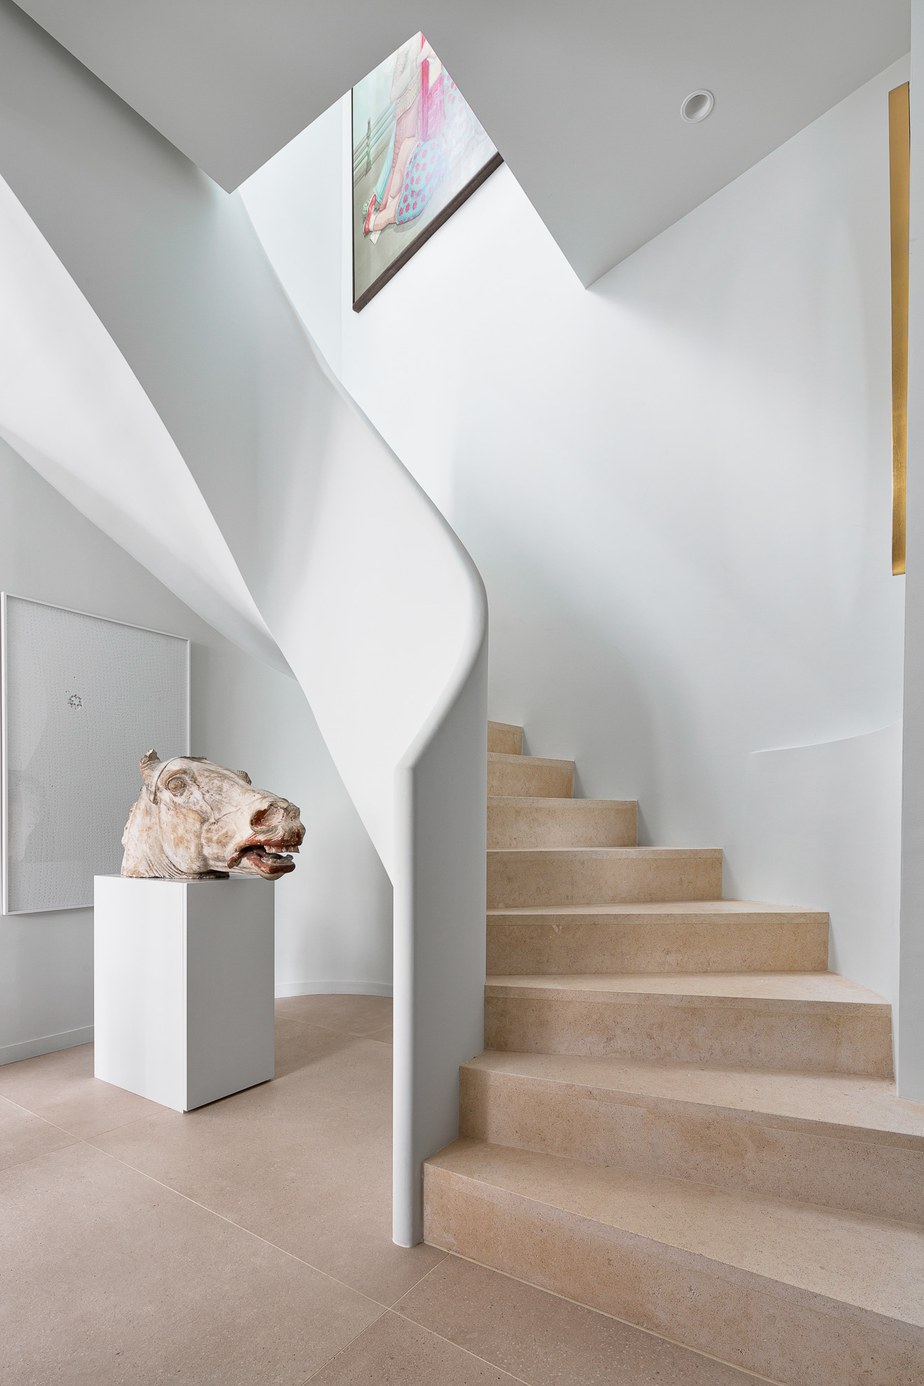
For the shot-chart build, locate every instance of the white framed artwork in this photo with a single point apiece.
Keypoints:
(82, 698)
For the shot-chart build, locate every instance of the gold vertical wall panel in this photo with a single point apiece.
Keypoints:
(899, 182)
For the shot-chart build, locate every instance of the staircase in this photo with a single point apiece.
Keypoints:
(682, 1118)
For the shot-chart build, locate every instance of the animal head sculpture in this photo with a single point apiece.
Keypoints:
(195, 821)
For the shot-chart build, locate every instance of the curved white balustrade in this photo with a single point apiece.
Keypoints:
(71, 407)
(367, 593)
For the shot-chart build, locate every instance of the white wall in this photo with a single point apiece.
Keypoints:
(911, 1011)
(676, 484)
(368, 594)
(333, 915)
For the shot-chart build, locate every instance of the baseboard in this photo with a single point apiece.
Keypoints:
(327, 988)
(45, 1044)
(68, 1039)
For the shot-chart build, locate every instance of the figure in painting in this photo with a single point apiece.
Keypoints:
(431, 125)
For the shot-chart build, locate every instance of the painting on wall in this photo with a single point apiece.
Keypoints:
(418, 153)
(82, 699)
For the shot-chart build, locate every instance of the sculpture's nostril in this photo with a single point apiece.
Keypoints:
(266, 817)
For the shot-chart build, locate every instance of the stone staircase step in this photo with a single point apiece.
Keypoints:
(602, 875)
(532, 776)
(505, 737)
(519, 821)
(797, 1293)
(833, 1139)
(659, 936)
(806, 1022)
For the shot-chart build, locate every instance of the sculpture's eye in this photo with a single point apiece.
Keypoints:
(177, 784)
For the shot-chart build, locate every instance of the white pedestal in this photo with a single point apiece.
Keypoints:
(184, 985)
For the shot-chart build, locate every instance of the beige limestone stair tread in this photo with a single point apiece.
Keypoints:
(506, 737)
(847, 1105)
(512, 758)
(527, 801)
(861, 1262)
(744, 909)
(617, 853)
(794, 988)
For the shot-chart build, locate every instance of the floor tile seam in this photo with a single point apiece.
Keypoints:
(331, 1029)
(248, 1231)
(626, 1323)
(434, 1333)
(340, 1351)
(368, 1034)
(774, 1283)
(38, 1115)
(39, 1155)
(426, 1275)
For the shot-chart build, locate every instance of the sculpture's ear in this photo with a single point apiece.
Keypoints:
(148, 762)
(245, 777)
(149, 768)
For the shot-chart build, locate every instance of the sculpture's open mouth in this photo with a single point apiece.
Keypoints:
(263, 858)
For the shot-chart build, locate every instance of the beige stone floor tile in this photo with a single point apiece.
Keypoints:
(384, 1036)
(120, 1282)
(549, 1341)
(61, 1088)
(395, 1352)
(304, 1161)
(354, 1015)
(300, 1045)
(23, 1136)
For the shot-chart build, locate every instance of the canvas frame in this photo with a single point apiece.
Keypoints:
(362, 299)
(11, 802)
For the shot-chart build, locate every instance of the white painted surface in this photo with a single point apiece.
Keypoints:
(333, 914)
(583, 101)
(820, 826)
(677, 486)
(370, 597)
(183, 988)
(78, 695)
(104, 438)
(911, 1006)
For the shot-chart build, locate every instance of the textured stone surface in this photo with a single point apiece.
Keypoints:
(505, 737)
(844, 1142)
(659, 936)
(194, 820)
(520, 821)
(793, 1292)
(694, 1019)
(602, 875)
(532, 776)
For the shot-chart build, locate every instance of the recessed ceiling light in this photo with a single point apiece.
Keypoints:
(697, 106)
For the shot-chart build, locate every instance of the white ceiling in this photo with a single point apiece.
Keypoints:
(582, 100)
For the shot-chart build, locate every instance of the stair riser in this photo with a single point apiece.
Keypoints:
(525, 777)
(506, 739)
(760, 1325)
(538, 878)
(571, 823)
(649, 943)
(665, 1138)
(700, 1030)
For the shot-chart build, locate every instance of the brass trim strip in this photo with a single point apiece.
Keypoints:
(899, 188)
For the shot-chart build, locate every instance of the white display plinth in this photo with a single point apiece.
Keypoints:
(183, 987)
